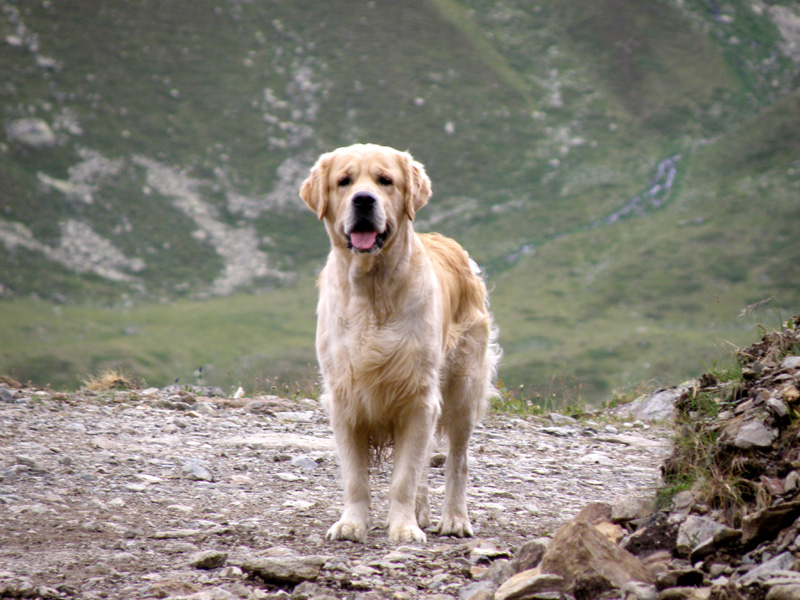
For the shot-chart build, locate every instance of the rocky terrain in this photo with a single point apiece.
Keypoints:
(186, 493)
(173, 493)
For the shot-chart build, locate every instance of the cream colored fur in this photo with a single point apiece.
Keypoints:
(405, 341)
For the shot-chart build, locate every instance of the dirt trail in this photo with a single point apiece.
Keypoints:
(113, 495)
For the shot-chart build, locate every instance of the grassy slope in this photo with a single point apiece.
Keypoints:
(606, 89)
(660, 295)
(243, 339)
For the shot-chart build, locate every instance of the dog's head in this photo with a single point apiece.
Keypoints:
(366, 194)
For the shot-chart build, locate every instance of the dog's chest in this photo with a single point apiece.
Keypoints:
(374, 345)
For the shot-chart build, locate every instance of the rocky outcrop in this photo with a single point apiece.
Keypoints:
(733, 532)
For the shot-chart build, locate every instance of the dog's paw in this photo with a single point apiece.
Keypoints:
(348, 530)
(455, 526)
(406, 533)
(423, 513)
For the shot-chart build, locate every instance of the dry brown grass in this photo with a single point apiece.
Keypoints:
(108, 380)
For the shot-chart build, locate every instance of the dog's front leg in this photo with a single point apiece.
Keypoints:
(411, 447)
(353, 447)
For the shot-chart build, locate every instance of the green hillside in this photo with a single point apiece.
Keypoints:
(626, 171)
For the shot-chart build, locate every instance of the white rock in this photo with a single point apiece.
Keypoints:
(596, 458)
(754, 435)
(33, 133)
(791, 363)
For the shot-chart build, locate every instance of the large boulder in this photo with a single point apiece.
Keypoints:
(589, 562)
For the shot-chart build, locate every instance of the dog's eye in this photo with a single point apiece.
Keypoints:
(383, 180)
(344, 181)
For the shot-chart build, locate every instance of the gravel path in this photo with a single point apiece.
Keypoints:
(137, 494)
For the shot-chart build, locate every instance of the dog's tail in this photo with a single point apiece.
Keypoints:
(494, 352)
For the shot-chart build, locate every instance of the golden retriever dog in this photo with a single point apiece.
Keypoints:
(405, 341)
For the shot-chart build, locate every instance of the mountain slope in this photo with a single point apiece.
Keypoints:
(181, 133)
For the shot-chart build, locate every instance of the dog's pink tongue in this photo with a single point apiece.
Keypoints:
(363, 240)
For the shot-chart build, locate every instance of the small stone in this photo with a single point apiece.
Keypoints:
(438, 460)
(527, 583)
(176, 534)
(48, 593)
(791, 363)
(679, 577)
(529, 555)
(295, 416)
(298, 504)
(76, 428)
(658, 532)
(717, 569)
(22, 459)
(791, 394)
(636, 590)
(487, 552)
(683, 501)
(171, 587)
(773, 485)
(132, 533)
(778, 407)
(754, 434)
(782, 562)
(285, 569)
(597, 458)
(136, 487)
(686, 593)
(6, 396)
(763, 523)
(304, 462)
(784, 592)
(791, 482)
(241, 480)
(559, 419)
(559, 431)
(290, 477)
(208, 559)
(630, 507)
(480, 590)
(697, 531)
(194, 470)
(204, 408)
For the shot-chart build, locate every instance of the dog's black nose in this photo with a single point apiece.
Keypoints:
(363, 200)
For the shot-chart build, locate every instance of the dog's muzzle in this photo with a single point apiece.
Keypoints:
(364, 235)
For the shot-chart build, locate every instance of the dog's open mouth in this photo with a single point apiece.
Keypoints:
(366, 241)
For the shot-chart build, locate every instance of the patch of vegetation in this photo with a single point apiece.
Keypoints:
(517, 401)
(722, 469)
(107, 381)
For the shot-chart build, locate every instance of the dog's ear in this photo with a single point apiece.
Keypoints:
(418, 186)
(314, 190)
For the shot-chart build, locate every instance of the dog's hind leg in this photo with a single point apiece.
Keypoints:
(423, 503)
(455, 519)
(463, 405)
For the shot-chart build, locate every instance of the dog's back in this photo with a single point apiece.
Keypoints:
(463, 291)
(471, 349)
